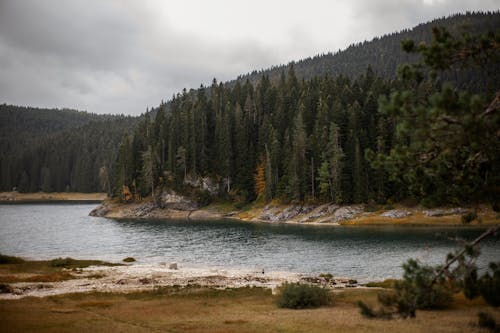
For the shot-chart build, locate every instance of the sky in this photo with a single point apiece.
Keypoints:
(121, 57)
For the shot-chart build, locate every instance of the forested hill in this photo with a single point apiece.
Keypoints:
(57, 150)
(383, 54)
(332, 137)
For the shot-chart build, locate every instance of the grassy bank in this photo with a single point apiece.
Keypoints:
(53, 196)
(207, 310)
(14, 269)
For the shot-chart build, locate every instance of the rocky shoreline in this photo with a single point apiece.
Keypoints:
(175, 206)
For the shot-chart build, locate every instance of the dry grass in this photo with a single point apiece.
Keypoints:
(204, 310)
(51, 277)
(46, 270)
(42, 196)
(486, 217)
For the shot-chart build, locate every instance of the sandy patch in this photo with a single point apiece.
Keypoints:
(149, 276)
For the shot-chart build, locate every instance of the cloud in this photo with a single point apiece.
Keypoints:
(123, 56)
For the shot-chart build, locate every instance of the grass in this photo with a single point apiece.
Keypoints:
(388, 283)
(15, 269)
(197, 309)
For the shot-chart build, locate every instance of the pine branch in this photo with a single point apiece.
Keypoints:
(491, 231)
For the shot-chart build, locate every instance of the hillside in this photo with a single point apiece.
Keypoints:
(302, 135)
(382, 54)
(57, 150)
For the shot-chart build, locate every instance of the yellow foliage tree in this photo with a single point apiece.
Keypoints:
(260, 179)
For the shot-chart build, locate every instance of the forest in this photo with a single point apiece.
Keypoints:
(421, 136)
(55, 150)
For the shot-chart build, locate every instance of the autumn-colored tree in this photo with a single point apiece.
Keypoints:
(260, 179)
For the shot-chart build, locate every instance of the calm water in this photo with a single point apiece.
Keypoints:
(55, 230)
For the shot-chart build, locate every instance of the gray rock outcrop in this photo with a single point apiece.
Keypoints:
(396, 213)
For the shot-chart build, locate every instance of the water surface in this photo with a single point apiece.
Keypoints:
(43, 231)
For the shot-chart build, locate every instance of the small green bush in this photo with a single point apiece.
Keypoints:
(129, 259)
(303, 296)
(62, 262)
(326, 276)
(10, 259)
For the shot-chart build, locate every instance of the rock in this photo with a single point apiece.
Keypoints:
(173, 266)
(172, 200)
(346, 213)
(445, 212)
(315, 214)
(396, 213)
(143, 209)
(289, 213)
(100, 210)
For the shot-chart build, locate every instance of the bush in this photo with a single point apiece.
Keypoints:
(485, 320)
(62, 262)
(303, 296)
(129, 259)
(10, 259)
(5, 288)
(469, 217)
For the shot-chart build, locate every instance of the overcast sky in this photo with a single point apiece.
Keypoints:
(123, 56)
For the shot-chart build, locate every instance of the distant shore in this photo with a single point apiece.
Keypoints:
(326, 214)
(16, 197)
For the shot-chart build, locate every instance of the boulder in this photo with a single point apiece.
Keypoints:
(100, 210)
(173, 266)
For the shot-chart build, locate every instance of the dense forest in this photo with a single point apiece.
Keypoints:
(58, 150)
(332, 138)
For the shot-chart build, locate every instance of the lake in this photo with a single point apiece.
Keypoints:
(43, 231)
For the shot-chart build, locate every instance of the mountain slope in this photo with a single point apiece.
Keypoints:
(383, 54)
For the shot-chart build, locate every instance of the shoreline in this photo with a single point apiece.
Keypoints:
(316, 215)
(147, 277)
(52, 197)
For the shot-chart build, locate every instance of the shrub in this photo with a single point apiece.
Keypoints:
(326, 276)
(469, 217)
(10, 259)
(5, 288)
(485, 320)
(62, 262)
(129, 259)
(303, 296)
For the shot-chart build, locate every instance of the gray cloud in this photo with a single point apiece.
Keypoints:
(122, 56)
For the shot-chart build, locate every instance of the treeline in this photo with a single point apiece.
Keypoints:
(58, 150)
(297, 140)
